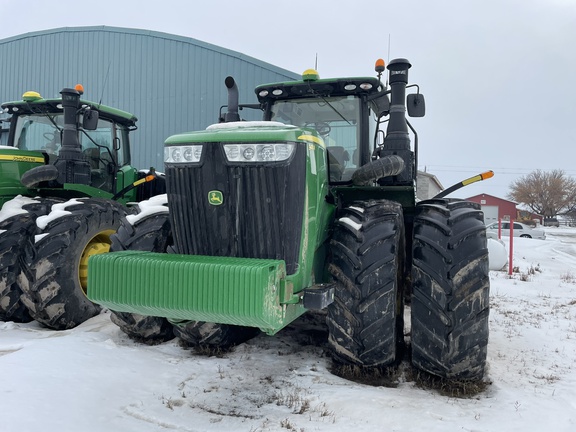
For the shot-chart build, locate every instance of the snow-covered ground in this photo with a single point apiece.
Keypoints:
(93, 378)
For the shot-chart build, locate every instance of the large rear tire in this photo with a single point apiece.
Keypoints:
(14, 233)
(365, 322)
(16, 240)
(78, 229)
(148, 231)
(450, 302)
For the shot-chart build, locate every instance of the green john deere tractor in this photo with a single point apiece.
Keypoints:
(65, 180)
(312, 208)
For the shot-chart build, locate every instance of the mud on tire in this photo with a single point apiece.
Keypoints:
(450, 301)
(151, 233)
(55, 292)
(365, 322)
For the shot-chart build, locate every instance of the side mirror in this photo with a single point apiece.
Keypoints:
(90, 120)
(416, 105)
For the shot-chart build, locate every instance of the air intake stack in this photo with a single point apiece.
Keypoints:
(397, 141)
(71, 164)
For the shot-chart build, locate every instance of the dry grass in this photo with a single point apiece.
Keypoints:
(568, 277)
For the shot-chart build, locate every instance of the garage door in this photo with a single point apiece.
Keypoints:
(490, 214)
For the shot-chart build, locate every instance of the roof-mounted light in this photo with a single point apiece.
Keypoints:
(263, 93)
(350, 87)
(310, 75)
(277, 92)
(366, 86)
(79, 88)
(380, 66)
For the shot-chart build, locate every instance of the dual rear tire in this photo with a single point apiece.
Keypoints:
(450, 283)
(365, 322)
(451, 288)
(17, 240)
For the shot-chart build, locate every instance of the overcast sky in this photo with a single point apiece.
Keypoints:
(499, 76)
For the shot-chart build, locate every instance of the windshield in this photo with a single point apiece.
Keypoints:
(43, 132)
(336, 119)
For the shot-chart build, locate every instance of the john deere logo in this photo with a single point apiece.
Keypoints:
(215, 197)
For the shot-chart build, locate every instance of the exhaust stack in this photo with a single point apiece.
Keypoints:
(232, 114)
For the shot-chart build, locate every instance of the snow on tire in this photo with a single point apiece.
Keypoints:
(148, 229)
(450, 301)
(69, 235)
(17, 229)
(365, 322)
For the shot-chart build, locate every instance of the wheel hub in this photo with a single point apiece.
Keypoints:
(99, 244)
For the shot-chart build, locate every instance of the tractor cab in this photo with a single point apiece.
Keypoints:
(39, 125)
(346, 112)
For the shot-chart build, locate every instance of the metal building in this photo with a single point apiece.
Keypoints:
(171, 83)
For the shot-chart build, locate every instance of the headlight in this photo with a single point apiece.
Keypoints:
(183, 154)
(259, 152)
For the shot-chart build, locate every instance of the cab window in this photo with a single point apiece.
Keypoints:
(336, 119)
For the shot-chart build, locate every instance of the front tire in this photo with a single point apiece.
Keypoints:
(450, 302)
(200, 334)
(150, 232)
(365, 322)
(56, 296)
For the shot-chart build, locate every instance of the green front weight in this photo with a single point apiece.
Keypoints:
(239, 291)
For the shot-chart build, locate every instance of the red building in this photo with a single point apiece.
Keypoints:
(495, 208)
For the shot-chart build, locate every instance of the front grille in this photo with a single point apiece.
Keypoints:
(261, 214)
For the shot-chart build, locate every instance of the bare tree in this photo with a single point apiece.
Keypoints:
(545, 192)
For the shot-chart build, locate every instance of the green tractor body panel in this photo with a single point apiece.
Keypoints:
(240, 291)
(14, 163)
(249, 291)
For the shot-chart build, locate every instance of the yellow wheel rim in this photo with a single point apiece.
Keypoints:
(99, 244)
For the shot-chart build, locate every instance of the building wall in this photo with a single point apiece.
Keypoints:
(171, 83)
(506, 209)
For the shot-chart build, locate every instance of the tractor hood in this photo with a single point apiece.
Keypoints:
(250, 131)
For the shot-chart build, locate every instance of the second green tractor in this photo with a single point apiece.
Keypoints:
(65, 184)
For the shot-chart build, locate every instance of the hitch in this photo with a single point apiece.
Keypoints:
(318, 296)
